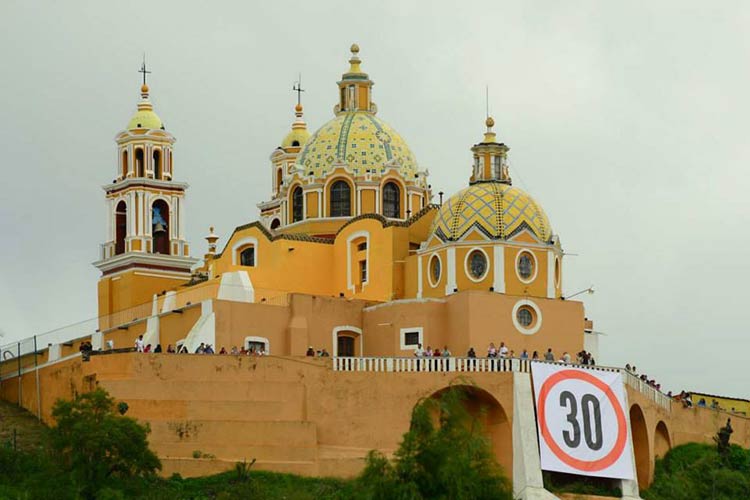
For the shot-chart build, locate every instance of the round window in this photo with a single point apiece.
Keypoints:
(525, 316)
(526, 266)
(434, 270)
(477, 264)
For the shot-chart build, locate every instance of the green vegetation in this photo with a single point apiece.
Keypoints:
(696, 471)
(450, 460)
(558, 482)
(95, 451)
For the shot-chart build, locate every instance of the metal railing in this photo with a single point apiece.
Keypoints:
(479, 365)
(430, 365)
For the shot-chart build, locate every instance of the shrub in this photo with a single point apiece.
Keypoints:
(450, 460)
(96, 444)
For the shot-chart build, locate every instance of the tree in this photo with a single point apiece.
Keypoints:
(96, 444)
(450, 460)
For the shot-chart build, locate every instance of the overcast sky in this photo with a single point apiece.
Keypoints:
(627, 121)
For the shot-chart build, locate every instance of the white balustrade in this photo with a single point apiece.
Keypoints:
(478, 365)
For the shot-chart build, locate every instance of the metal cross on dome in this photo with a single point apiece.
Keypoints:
(297, 87)
(143, 69)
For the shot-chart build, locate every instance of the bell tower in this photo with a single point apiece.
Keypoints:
(145, 251)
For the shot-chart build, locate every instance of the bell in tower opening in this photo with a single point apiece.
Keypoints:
(159, 227)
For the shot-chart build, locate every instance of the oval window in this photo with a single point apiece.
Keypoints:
(525, 316)
(434, 270)
(477, 264)
(526, 266)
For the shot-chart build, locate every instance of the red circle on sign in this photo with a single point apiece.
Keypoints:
(622, 430)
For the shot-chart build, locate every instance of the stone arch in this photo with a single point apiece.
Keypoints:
(497, 426)
(639, 432)
(662, 442)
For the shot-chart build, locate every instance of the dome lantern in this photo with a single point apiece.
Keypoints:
(355, 87)
(490, 158)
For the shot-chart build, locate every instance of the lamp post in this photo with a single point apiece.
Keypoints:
(589, 290)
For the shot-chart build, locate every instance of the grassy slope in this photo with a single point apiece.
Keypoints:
(29, 431)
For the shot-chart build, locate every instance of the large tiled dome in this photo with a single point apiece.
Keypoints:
(359, 139)
(495, 209)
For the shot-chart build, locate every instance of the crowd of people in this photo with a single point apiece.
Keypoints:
(643, 377)
(203, 348)
(504, 352)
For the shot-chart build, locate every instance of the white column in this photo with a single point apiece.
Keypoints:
(550, 274)
(527, 468)
(450, 258)
(419, 276)
(131, 214)
(181, 219)
(146, 213)
(498, 282)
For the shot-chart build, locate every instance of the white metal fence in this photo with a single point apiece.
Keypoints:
(433, 365)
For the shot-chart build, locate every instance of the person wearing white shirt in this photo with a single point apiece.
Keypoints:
(503, 350)
(139, 343)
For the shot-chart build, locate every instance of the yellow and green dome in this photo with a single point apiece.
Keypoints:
(359, 139)
(497, 210)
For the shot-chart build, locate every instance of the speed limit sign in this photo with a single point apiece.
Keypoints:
(581, 419)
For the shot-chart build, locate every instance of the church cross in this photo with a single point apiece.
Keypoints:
(143, 69)
(297, 87)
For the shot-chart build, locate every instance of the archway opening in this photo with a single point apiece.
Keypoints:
(391, 200)
(484, 409)
(124, 164)
(347, 343)
(121, 227)
(662, 443)
(160, 227)
(640, 445)
(139, 162)
(275, 223)
(157, 164)
(297, 204)
(341, 199)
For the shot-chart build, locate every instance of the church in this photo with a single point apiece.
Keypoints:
(352, 256)
(352, 223)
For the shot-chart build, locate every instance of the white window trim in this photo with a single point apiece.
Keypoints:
(434, 255)
(467, 271)
(247, 240)
(402, 337)
(349, 283)
(536, 266)
(346, 328)
(519, 326)
(264, 340)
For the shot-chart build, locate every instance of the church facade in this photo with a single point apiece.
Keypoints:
(351, 221)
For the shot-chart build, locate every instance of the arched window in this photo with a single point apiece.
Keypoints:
(341, 199)
(391, 200)
(160, 227)
(139, 163)
(295, 144)
(297, 205)
(121, 227)
(157, 164)
(275, 223)
(279, 179)
(124, 164)
(247, 256)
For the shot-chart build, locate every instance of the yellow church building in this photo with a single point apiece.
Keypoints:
(351, 219)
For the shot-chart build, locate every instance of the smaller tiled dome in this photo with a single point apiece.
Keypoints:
(497, 210)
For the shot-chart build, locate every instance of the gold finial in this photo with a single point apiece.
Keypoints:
(298, 108)
(354, 48)
(489, 122)
(489, 135)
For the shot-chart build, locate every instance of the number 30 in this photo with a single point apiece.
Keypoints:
(589, 404)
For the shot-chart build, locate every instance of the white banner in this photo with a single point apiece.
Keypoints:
(582, 419)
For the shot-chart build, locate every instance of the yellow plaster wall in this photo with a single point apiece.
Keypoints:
(367, 201)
